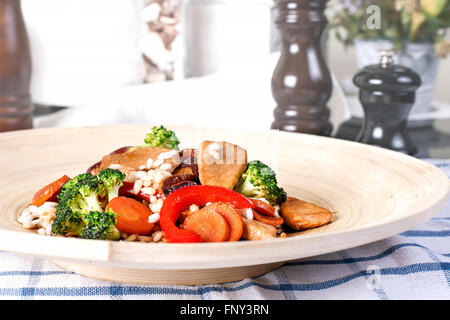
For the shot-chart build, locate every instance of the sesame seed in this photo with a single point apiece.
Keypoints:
(157, 236)
(167, 155)
(140, 174)
(149, 163)
(148, 190)
(194, 208)
(137, 186)
(249, 214)
(158, 177)
(166, 166)
(154, 217)
(157, 163)
(146, 183)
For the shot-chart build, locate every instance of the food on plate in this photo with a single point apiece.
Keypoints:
(156, 192)
(259, 181)
(255, 230)
(209, 224)
(301, 215)
(135, 158)
(49, 192)
(161, 137)
(221, 163)
(132, 215)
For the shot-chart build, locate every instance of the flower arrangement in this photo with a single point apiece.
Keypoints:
(400, 21)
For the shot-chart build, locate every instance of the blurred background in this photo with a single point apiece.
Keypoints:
(212, 62)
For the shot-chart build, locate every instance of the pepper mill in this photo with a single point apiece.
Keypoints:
(15, 69)
(387, 94)
(301, 82)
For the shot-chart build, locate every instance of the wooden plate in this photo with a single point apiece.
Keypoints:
(375, 193)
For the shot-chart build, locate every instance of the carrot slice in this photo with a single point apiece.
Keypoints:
(132, 215)
(263, 207)
(274, 221)
(49, 192)
(184, 215)
(233, 218)
(210, 225)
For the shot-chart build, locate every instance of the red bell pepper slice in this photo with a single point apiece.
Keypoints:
(181, 199)
(274, 221)
(263, 207)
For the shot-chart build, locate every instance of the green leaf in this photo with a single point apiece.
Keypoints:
(433, 7)
(418, 18)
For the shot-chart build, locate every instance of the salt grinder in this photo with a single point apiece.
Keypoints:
(387, 93)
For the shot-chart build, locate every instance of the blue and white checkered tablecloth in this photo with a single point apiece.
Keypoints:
(412, 265)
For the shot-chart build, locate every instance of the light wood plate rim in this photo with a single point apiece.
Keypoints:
(204, 255)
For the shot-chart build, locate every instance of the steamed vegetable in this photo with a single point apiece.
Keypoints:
(112, 180)
(231, 216)
(162, 137)
(67, 221)
(70, 183)
(85, 194)
(263, 208)
(100, 225)
(132, 215)
(92, 225)
(274, 221)
(208, 224)
(79, 211)
(181, 199)
(49, 192)
(259, 181)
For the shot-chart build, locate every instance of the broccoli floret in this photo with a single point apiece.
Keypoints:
(79, 211)
(111, 180)
(83, 195)
(100, 225)
(93, 225)
(69, 184)
(259, 181)
(89, 189)
(67, 221)
(162, 137)
(73, 200)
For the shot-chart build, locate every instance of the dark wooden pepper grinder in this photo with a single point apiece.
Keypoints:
(301, 82)
(387, 94)
(15, 69)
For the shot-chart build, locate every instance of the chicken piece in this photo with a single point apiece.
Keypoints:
(301, 215)
(221, 163)
(255, 230)
(134, 160)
